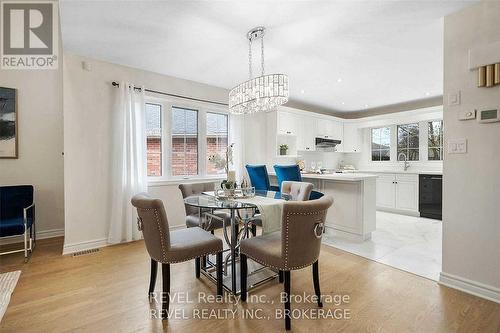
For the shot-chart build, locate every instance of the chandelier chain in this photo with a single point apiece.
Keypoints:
(262, 54)
(250, 74)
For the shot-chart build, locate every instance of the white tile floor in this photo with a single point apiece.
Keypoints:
(409, 243)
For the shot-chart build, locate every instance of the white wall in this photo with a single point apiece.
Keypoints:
(40, 139)
(88, 100)
(471, 209)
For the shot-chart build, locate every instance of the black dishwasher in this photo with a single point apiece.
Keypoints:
(431, 196)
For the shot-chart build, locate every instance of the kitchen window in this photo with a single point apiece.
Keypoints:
(154, 139)
(435, 140)
(217, 141)
(408, 142)
(381, 144)
(184, 142)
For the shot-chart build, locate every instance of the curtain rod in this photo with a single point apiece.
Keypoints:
(116, 84)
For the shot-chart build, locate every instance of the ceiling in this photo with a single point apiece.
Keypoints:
(339, 55)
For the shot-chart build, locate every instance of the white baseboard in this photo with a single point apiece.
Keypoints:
(87, 245)
(471, 287)
(42, 234)
(97, 243)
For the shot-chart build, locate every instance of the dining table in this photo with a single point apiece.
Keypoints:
(243, 212)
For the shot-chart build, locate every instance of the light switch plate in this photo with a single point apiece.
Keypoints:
(454, 98)
(467, 115)
(457, 146)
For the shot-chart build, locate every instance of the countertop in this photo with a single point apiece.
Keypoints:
(352, 177)
(411, 172)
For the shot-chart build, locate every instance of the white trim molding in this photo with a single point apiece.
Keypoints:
(42, 234)
(471, 287)
(97, 243)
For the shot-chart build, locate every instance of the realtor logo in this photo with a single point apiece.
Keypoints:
(29, 36)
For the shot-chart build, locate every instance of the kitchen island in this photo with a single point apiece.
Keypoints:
(353, 212)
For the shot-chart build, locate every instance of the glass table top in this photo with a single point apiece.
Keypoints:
(208, 200)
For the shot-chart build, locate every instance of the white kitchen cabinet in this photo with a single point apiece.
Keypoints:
(386, 191)
(352, 138)
(288, 123)
(398, 192)
(306, 134)
(329, 128)
(407, 192)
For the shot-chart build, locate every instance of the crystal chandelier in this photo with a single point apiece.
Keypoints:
(262, 93)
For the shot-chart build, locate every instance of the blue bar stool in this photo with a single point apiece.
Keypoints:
(287, 172)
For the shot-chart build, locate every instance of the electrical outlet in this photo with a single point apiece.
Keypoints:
(457, 146)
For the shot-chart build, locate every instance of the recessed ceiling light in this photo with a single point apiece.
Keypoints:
(302, 91)
(343, 103)
(339, 79)
(366, 105)
(427, 94)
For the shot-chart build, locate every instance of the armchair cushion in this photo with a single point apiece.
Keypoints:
(13, 226)
(265, 249)
(287, 172)
(13, 199)
(187, 244)
(258, 177)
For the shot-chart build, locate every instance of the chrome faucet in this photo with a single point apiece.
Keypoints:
(407, 164)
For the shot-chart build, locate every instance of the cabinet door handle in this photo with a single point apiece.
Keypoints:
(288, 132)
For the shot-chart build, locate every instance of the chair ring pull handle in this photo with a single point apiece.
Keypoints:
(318, 229)
(139, 223)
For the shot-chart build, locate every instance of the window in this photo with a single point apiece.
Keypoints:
(408, 142)
(381, 144)
(184, 133)
(435, 140)
(217, 141)
(154, 139)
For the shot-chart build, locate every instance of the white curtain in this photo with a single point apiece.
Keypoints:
(128, 171)
(237, 136)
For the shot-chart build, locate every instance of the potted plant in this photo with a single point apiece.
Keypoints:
(283, 149)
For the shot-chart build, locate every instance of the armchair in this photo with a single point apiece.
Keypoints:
(17, 215)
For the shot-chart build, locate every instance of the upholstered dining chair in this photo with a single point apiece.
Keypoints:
(296, 191)
(169, 247)
(287, 172)
(259, 178)
(195, 217)
(296, 246)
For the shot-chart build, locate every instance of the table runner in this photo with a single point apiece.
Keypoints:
(271, 211)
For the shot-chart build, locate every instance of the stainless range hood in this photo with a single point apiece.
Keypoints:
(327, 145)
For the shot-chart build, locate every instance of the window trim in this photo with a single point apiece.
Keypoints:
(167, 103)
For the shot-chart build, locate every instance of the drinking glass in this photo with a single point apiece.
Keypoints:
(313, 166)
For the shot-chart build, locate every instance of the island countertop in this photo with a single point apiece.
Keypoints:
(352, 177)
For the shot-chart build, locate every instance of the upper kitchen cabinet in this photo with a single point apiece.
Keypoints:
(306, 135)
(329, 128)
(352, 138)
(288, 123)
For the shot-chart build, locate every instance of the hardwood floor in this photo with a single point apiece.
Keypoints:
(107, 292)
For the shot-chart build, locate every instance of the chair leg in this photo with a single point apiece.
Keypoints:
(316, 283)
(243, 276)
(254, 230)
(219, 273)
(197, 263)
(280, 276)
(212, 232)
(288, 318)
(165, 272)
(152, 279)
(25, 244)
